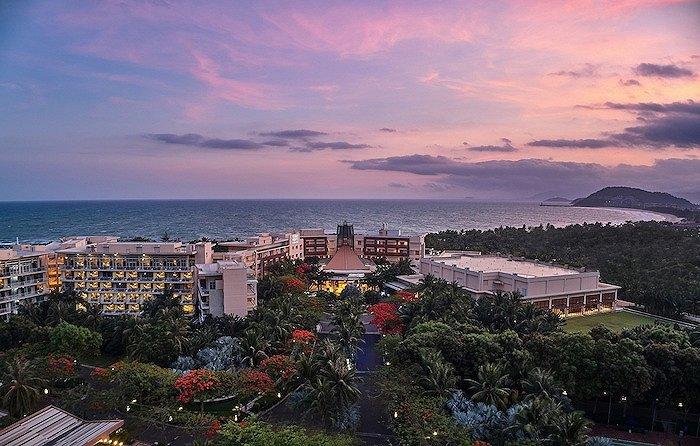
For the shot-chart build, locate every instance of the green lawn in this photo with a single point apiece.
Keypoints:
(616, 321)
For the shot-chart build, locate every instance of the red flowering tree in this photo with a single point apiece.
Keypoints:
(302, 269)
(256, 382)
(293, 284)
(303, 336)
(278, 366)
(406, 296)
(196, 384)
(386, 318)
(213, 430)
(60, 366)
(100, 374)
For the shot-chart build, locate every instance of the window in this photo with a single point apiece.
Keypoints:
(212, 285)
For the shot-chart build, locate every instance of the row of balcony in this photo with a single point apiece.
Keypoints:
(128, 279)
(22, 272)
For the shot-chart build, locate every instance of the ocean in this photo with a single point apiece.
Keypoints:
(226, 219)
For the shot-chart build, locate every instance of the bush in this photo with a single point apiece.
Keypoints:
(196, 384)
(79, 341)
(148, 383)
(263, 434)
(254, 382)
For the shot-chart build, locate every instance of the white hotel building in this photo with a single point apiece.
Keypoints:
(546, 285)
(24, 277)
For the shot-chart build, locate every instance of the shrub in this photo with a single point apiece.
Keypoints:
(100, 374)
(78, 341)
(255, 382)
(278, 366)
(146, 382)
(386, 318)
(60, 366)
(303, 336)
(263, 434)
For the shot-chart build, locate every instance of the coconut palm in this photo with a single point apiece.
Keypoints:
(438, 375)
(571, 429)
(540, 382)
(490, 387)
(253, 346)
(22, 389)
(347, 332)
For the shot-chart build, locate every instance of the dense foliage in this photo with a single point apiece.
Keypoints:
(262, 434)
(477, 366)
(656, 264)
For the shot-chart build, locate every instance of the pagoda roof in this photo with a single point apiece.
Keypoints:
(345, 259)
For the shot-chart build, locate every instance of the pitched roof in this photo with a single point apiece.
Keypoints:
(52, 426)
(345, 259)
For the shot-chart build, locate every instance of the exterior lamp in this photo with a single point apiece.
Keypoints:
(623, 399)
(396, 414)
(279, 395)
(133, 401)
(235, 418)
(128, 408)
(387, 363)
(564, 393)
(46, 391)
(170, 418)
(680, 405)
(434, 433)
(179, 409)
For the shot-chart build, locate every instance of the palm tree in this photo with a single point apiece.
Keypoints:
(540, 383)
(91, 316)
(438, 375)
(348, 333)
(533, 419)
(253, 346)
(571, 428)
(176, 328)
(22, 388)
(332, 391)
(490, 387)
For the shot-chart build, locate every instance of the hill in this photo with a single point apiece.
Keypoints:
(630, 197)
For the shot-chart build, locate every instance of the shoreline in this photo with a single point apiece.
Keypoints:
(670, 218)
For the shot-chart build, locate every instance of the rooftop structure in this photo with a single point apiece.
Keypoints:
(52, 426)
(546, 285)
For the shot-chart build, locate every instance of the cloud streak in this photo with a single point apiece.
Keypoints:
(663, 71)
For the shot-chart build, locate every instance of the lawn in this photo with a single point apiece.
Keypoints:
(616, 321)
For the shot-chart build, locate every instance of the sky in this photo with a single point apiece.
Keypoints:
(492, 100)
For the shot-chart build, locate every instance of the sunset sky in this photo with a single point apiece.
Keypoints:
(236, 99)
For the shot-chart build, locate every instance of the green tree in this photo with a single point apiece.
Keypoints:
(73, 340)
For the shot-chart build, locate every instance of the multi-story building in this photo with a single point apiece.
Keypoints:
(259, 253)
(121, 276)
(225, 287)
(546, 285)
(23, 278)
(386, 243)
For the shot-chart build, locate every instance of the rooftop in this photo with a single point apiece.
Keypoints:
(493, 263)
(54, 426)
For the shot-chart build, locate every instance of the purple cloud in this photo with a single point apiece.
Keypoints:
(665, 71)
(194, 139)
(572, 143)
(294, 134)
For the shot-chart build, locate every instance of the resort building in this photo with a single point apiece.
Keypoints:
(386, 243)
(259, 253)
(546, 285)
(345, 266)
(24, 277)
(121, 276)
(225, 287)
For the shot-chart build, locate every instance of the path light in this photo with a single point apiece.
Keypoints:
(170, 418)
(46, 391)
(235, 418)
(680, 405)
(564, 393)
(279, 395)
(133, 401)
(179, 409)
(128, 408)
(623, 399)
(396, 414)
(387, 363)
(434, 433)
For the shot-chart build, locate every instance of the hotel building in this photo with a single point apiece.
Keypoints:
(259, 253)
(225, 287)
(386, 243)
(121, 276)
(24, 277)
(546, 285)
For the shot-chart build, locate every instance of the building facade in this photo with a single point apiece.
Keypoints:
(122, 276)
(386, 243)
(259, 253)
(562, 289)
(24, 278)
(225, 287)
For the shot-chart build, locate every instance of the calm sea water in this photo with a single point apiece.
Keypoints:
(225, 219)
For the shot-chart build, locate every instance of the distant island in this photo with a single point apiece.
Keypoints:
(630, 197)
